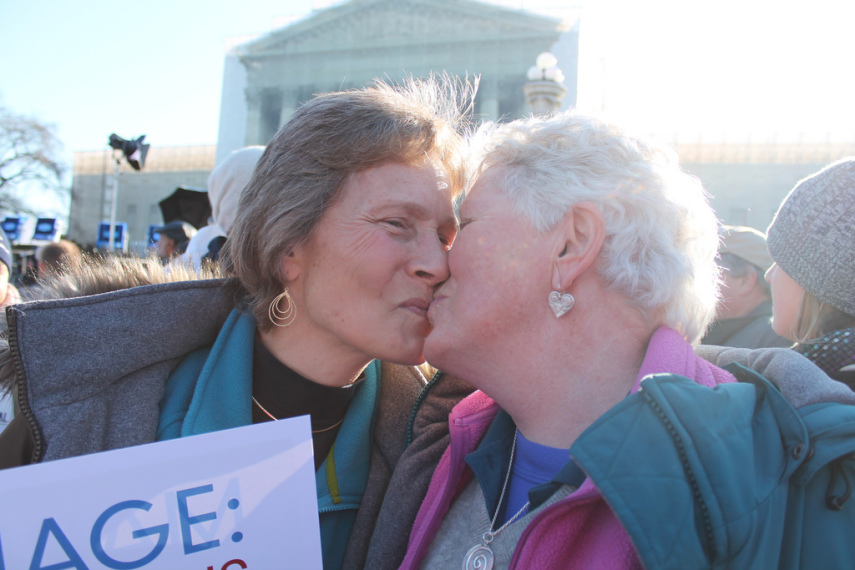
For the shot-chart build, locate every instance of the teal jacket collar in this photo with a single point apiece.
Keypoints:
(211, 390)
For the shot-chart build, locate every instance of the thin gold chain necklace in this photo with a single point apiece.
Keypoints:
(480, 557)
(275, 419)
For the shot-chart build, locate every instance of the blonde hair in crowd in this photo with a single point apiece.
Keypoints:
(816, 319)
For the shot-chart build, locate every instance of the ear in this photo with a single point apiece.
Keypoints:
(291, 264)
(580, 239)
(745, 284)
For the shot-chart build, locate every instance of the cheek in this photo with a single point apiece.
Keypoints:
(786, 301)
(478, 306)
(789, 296)
(783, 320)
(473, 256)
(346, 264)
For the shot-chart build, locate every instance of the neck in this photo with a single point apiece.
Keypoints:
(315, 357)
(582, 367)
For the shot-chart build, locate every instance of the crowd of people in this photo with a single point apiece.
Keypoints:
(521, 345)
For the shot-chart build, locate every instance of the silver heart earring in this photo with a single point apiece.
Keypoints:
(560, 303)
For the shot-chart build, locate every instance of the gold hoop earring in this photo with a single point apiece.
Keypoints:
(279, 317)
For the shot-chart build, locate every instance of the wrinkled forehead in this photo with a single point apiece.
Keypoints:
(441, 175)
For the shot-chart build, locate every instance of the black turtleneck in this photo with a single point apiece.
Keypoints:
(286, 394)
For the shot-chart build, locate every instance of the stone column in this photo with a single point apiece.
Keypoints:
(289, 104)
(545, 88)
(253, 117)
(544, 97)
(488, 106)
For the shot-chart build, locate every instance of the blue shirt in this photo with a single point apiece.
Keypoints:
(490, 465)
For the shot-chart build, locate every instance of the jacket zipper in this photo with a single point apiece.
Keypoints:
(690, 474)
(418, 403)
(23, 401)
(684, 461)
(339, 507)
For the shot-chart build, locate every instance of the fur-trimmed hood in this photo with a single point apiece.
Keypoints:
(97, 275)
(103, 274)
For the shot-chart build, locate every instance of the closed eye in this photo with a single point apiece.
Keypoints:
(395, 223)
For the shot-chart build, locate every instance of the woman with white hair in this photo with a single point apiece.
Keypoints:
(582, 276)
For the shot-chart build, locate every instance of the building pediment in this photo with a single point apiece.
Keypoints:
(368, 24)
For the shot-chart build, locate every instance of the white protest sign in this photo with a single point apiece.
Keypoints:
(235, 499)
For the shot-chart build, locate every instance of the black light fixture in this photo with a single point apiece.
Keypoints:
(134, 150)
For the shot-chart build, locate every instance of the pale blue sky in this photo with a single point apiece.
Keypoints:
(725, 68)
(100, 66)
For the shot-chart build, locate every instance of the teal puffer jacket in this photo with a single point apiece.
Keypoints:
(739, 478)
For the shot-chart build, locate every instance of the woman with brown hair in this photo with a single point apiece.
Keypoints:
(339, 243)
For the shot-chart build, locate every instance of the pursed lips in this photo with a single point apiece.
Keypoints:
(436, 299)
(417, 305)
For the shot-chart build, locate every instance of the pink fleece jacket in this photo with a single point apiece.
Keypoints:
(590, 535)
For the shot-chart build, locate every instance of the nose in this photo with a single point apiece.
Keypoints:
(430, 260)
(768, 274)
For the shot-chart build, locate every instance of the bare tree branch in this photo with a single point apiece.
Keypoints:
(29, 153)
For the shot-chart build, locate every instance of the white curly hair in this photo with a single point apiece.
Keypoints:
(661, 233)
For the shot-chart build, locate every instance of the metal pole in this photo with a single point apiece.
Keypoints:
(113, 206)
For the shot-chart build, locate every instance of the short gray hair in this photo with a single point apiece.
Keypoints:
(661, 234)
(309, 161)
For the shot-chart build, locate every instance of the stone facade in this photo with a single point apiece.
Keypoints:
(139, 192)
(748, 182)
(351, 44)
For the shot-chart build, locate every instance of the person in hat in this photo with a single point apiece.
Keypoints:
(8, 296)
(812, 242)
(173, 239)
(744, 313)
(8, 293)
(225, 185)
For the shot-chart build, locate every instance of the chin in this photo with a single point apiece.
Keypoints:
(433, 353)
(411, 355)
(407, 361)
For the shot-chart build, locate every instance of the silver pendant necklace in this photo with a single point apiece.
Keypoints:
(480, 557)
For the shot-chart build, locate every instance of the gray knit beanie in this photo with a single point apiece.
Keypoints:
(812, 237)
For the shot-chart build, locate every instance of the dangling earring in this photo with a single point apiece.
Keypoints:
(560, 303)
(279, 317)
